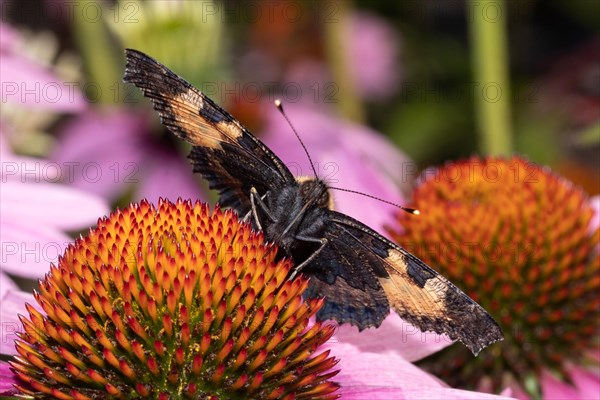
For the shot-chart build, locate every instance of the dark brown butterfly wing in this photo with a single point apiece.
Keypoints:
(229, 157)
(391, 276)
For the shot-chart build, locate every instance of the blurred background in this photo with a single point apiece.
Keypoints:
(413, 72)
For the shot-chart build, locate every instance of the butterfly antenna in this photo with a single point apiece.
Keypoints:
(408, 210)
(280, 108)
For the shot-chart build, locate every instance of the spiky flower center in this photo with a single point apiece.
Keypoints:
(516, 238)
(172, 303)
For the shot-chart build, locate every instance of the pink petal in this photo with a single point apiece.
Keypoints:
(362, 370)
(554, 389)
(586, 381)
(59, 206)
(365, 375)
(7, 380)
(13, 304)
(27, 249)
(118, 147)
(168, 176)
(6, 284)
(8, 36)
(586, 384)
(33, 214)
(394, 336)
(4, 145)
(449, 393)
(28, 83)
(104, 150)
(373, 393)
(25, 169)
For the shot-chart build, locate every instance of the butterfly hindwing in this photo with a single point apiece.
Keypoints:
(229, 157)
(414, 291)
(343, 274)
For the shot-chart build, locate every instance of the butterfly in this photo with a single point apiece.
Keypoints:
(360, 273)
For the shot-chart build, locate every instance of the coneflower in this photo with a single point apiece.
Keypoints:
(173, 302)
(517, 239)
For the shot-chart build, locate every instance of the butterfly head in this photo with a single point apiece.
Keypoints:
(315, 191)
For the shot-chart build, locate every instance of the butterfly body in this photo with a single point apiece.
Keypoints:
(360, 273)
(294, 212)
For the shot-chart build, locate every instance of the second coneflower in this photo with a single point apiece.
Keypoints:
(518, 240)
(173, 302)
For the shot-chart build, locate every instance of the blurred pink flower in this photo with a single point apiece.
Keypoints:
(346, 156)
(586, 385)
(114, 150)
(27, 82)
(36, 212)
(370, 49)
(373, 48)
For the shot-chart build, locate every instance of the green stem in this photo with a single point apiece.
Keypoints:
(347, 100)
(102, 65)
(487, 20)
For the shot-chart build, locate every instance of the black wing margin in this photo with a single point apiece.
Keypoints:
(415, 291)
(227, 155)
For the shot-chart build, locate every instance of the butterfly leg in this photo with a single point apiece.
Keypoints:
(322, 241)
(256, 199)
(252, 210)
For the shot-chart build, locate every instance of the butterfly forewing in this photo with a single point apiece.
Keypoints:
(229, 157)
(360, 273)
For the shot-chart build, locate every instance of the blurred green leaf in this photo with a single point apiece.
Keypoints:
(537, 135)
(432, 130)
(589, 136)
(584, 11)
(187, 36)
